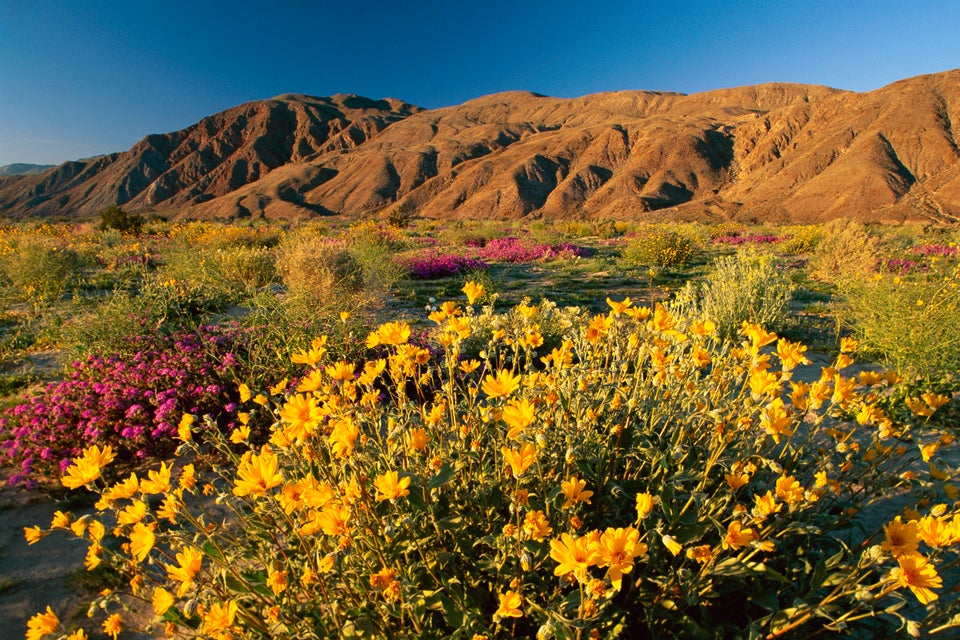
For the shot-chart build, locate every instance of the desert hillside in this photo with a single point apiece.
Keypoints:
(778, 152)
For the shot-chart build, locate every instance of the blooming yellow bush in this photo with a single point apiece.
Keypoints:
(644, 478)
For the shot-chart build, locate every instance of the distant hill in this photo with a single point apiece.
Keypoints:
(772, 152)
(24, 169)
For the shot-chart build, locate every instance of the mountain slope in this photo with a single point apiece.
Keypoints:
(209, 159)
(782, 152)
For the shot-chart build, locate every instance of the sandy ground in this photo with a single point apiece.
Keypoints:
(34, 576)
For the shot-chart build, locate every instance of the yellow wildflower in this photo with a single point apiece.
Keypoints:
(113, 625)
(518, 415)
(277, 581)
(157, 481)
(391, 486)
(501, 385)
(573, 489)
(219, 619)
(141, 540)
(644, 505)
(737, 536)
(32, 534)
(789, 489)
(902, 538)
(510, 603)
(536, 525)
(42, 624)
(88, 466)
(162, 600)
(474, 291)
(916, 573)
(573, 556)
(188, 564)
(521, 460)
(616, 550)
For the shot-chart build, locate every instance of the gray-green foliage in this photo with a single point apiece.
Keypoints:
(39, 270)
(910, 323)
(746, 286)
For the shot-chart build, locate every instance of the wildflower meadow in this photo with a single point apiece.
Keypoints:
(664, 460)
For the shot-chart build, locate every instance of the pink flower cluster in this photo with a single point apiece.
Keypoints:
(513, 249)
(133, 404)
(935, 250)
(429, 266)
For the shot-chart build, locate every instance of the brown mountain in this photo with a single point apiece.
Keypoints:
(781, 152)
(212, 158)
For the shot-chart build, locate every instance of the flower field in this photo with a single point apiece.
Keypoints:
(420, 452)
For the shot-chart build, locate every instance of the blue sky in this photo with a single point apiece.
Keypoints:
(83, 78)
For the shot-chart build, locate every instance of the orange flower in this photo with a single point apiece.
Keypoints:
(142, 539)
(521, 460)
(42, 624)
(219, 619)
(257, 474)
(501, 385)
(88, 466)
(188, 564)
(919, 576)
(474, 291)
(510, 603)
(518, 415)
(789, 490)
(644, 505)
(391, 486)
(573, 556)
(113, 625)
(902, 538)
(616, 550)
(573, 489)
(157, 481)
(737, 536)
(302, 415)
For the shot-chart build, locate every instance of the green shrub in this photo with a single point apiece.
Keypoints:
(910, 322)
(319, 272)
(115, 218)
(247, 267)
(744, 287)
(39, 269)
(661, 248)
(801, 239)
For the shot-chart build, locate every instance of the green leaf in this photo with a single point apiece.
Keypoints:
(442, 476)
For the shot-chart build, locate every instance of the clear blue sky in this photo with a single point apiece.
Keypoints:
(86, 77)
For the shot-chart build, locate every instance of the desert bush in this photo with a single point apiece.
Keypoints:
(801, 239)
(660, 248)
(846, 251)
(319, 272)
(743, 287)
(37, 268)
(643, 479)
(189, 285)
(116, 219)
(908, 322)
(247, 267)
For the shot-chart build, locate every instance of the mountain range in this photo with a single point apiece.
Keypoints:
(772, 152)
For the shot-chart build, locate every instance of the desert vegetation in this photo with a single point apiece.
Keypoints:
(416, 428)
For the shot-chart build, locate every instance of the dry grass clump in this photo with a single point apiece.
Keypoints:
(846, 251)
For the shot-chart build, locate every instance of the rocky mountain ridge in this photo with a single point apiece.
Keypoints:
(772, 152)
